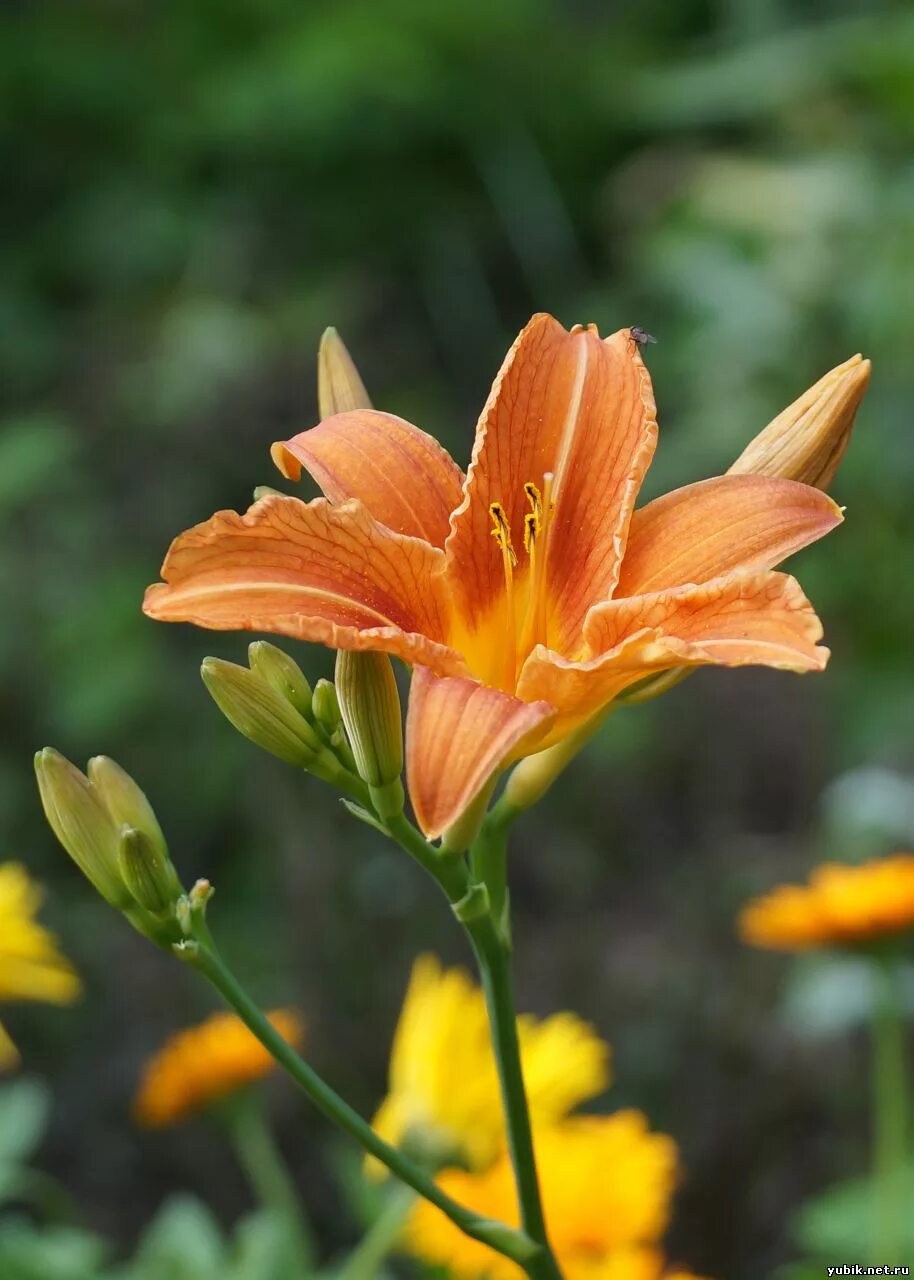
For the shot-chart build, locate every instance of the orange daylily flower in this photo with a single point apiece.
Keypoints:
(527, 594)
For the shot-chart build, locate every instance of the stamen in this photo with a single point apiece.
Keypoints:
(501, 532)
(535, 499)
(536, 526)
(531, 528)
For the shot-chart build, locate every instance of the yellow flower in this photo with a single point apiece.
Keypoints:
(444, 1094)
(606, 1183)
(31, 967)
(841, 904)
(205, 1063)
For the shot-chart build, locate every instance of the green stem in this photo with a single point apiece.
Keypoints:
(513, 1244)
(495, 970)
(365, 1260)
(891, 1120)
(490, 939)
(259, 1156)
(490, 865)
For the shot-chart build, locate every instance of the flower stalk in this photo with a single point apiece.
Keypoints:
(528, 1253)
(489, 936)
(891, 1117)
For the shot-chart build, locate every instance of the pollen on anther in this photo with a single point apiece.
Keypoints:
(534, 497)
(501, 530)
(531, 527)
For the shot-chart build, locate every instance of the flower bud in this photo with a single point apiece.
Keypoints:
(82, 824)
(339, 387)
(807, 441)
(124, 800)
(326, 706)
(147, 872)
(280, 671)
(370, 706)
(259, 713)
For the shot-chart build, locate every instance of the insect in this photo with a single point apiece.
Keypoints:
(641, 336)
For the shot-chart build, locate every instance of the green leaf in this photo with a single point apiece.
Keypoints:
(183, 1242)
(265, 1248)
(64, 1253)
(840, 1222)
(24, 1108)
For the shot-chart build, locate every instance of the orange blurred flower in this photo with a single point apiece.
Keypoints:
(841, 905)
(203, 1064)
(527, 594)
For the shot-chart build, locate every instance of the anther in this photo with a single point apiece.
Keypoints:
(501, 530)
(531, 528)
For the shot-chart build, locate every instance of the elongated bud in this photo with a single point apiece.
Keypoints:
(326, 706)
(280, 671)
(259, 713)
(124, 800)
(81, 823)
(339, 387)
(147, 872)
(370, 706)
(808, 440)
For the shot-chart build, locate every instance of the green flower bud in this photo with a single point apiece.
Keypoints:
(124, 800)
(259, 713)
(326, 706)
(370, 706)
(147, 872)
(339, 387)
(82, 824)
(285, 675)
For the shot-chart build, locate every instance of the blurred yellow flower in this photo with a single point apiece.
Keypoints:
(841, 904)
(31, 967)
(206, 1063)
(607, 1183)
(444, 1098)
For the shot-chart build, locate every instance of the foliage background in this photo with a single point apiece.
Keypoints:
(194, 192)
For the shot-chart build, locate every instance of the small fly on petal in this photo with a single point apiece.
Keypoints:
(641, 336)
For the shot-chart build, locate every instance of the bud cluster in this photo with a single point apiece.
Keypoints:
(109, 829)
(270, 702)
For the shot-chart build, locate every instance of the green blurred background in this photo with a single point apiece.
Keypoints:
(193, 192)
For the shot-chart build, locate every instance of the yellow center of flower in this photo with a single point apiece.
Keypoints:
(527, 626)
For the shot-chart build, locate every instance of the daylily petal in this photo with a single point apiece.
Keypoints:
(607, 454)
(582, 409)
(717, 526)
(760, 619)
(404, 477)
(458, 732)
(315, 571)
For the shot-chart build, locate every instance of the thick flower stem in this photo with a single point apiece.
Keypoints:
(523, 1250)
(489, 936)
(494, 961)
(891, 1119)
